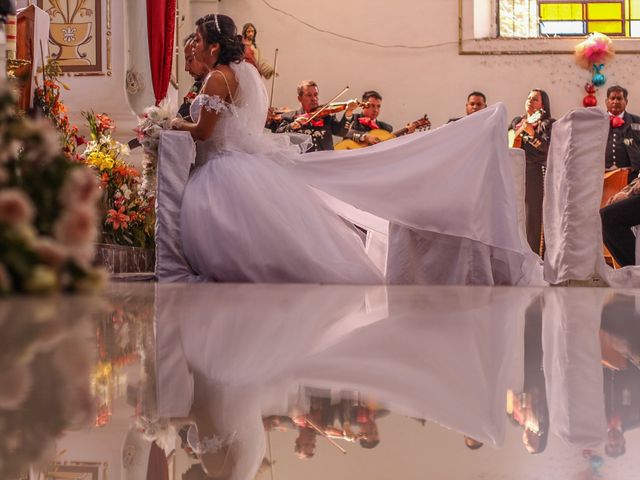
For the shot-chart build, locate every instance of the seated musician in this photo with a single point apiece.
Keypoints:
(361, 123)
(475, 101)
(321, 128)
(621, 214)
(623, 143)
(197, 70)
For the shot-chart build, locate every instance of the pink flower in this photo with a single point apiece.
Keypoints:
(83, 255)
(80, 186)
(50, 252)
(15, 207)
(77, 226)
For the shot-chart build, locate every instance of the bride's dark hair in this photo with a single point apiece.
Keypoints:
(221, 29)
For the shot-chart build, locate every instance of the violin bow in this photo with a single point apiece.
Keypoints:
(314, 426)
(273, 80)
(324, 107)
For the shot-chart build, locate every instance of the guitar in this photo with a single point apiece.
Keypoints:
(515, 136)
(383, 135)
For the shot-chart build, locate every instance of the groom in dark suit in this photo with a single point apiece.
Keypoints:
(623, 143)
(197, 70)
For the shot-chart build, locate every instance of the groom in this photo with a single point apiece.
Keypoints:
(197, 70)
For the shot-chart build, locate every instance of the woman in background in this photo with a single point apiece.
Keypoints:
(532, 133)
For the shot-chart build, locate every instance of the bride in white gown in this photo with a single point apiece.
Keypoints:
(249, 213)
(244, 217)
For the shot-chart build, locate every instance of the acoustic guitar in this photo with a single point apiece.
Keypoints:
(515, 136)
(383, 135)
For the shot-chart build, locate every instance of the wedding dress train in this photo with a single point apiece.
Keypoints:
(251, 212)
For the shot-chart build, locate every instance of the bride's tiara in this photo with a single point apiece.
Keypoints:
(215, 22)
(207, 444)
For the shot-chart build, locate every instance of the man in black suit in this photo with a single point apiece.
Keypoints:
(322, 128)
(623, 144)
(197, 70)
(361, 123)
(475, 101)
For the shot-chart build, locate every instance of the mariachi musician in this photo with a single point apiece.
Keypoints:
(321, 128)
(532, 133)
(365, 129)
(361, 123)
(623, 143)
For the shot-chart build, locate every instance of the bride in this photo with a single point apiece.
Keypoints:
(249, 213)
(244, 217)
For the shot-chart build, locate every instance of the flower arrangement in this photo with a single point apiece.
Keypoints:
(592, 54)
(153, 121)
(597, 48)
(48, 209)
(47, 99)
(44, 373)
(128, 218)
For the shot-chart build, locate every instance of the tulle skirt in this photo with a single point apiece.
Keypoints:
(246, 218)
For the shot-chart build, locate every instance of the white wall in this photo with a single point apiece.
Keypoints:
(412, 82)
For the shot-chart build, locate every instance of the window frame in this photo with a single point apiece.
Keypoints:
(468, 44)
(585, 16)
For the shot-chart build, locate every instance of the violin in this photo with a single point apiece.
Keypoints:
(275, 114)
(326, 110)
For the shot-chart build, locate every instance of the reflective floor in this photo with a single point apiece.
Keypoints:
(163, 382)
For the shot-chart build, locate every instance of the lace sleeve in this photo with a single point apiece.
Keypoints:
(214, 103)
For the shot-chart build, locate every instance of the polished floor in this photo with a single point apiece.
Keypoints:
(307, 381)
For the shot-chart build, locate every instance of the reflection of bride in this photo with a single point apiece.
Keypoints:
(248, 213)
(240, 376)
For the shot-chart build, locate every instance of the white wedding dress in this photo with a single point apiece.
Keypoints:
(245, 218)
(251, 211)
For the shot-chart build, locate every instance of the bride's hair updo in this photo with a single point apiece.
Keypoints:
(221, 29)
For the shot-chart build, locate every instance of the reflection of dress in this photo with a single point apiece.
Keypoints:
(248, 213)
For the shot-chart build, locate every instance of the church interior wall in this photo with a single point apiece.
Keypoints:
(432, 80)
(413, 82)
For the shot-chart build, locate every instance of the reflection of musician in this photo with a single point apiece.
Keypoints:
(361, 123)
(320, 415)
(623, 143)
(533, 134)
(620, 340)
(322, 128)
(529, 408)
(355, 414)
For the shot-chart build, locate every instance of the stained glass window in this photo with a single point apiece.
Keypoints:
(542, 18)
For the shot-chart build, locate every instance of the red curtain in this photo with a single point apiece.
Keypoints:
(161, 21)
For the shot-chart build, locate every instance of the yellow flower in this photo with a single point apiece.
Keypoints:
(100, 160)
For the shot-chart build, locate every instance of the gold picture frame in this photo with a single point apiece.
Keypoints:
(80, 35)
(78, 471)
